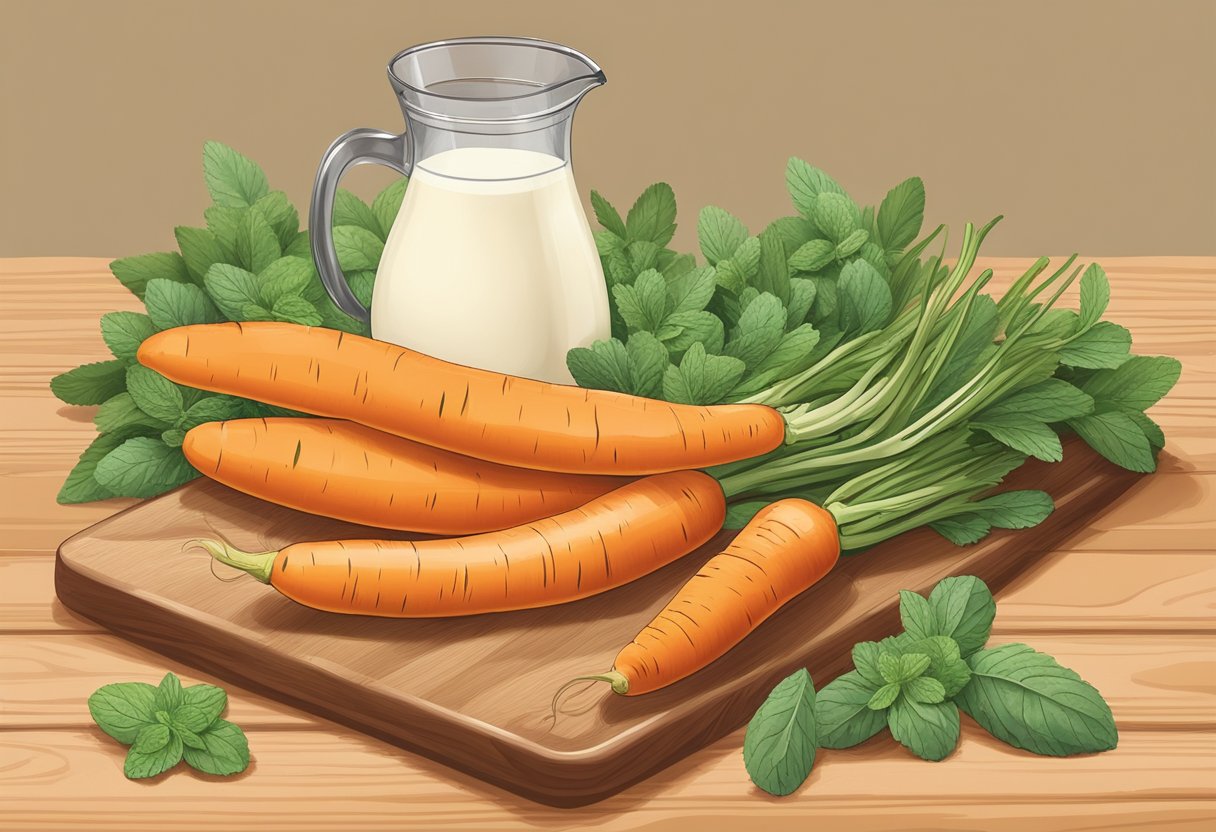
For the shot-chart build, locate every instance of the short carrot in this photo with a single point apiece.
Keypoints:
(350, 472)
(612, 540)
(786, 548)
(513, 421)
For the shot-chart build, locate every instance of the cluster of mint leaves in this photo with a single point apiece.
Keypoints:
(250, 263)
(167, 723)
(916, 684)
(761, 308)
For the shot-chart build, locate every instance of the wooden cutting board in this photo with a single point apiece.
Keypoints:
(475, 693)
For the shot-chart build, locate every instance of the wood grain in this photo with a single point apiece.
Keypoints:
(476, 692)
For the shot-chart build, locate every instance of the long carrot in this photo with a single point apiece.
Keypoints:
(785, 549)
(612, 540)
(350, 472)
(514, 421)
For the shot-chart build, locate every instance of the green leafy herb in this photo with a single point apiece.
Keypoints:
(929, 730)
(167, 723)
(781, 739)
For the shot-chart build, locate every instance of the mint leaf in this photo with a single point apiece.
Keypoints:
(945, 662)
(154, 394)
(964, 610)
(691, 291)
(299, 246)
(81, 486)
(1117, 437)
(122, 413)
(135, 272)
(294, 309)
(143, 467)
(172, 304)
(901, 214)
(139, 765)
(1103, 346)
(169, 693)
(779, 746)
(962, 529)
(212, 409)
(173, 437)
(225, 751)
(123, 332)
(806, 183)
(911, 665)
(644, 304)
(1023, 433)
(151, 739)
(90, 383)
(363, 284)
(759, 331)
(189, 738)
(191, 717)
(285, 276)
(224, 222)
(280, 215)
(701, 378)
(232, 179)
(835, 215)
(719, 232)
(1095, 295)
(122, 710)
(200, 249)
(802, 296)
(928, 730)
(1135, 385)
(1152, 431)
(1015, 509)
(865, 298)
(232, 289)
(851, 244)
(653, 216)
(602, 366)
(607, 216)
(773, 273)
(883, 697)
(812, 256)
(924, 689)
(257, 246)
(357, 248)
(1052, 400)
(916, 615)
(843, 717)
(647, 362)
(865, 659)
(387, 204)
(793, 231)
(350, 210)
(1028, 700)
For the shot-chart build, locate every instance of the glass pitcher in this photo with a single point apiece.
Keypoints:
(490, 262)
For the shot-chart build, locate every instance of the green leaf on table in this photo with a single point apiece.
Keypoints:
(924, 689)
(946, 664)
(691, 291)
(962, 529)
(154, 394)
(644, 304)
(169, 693)
(357, 248)
(901, 214)
(928, 730)
(1052, 400)
(865, 298)
(1015, 509)
(1115, 435)
(607, 215)
(916, 615)
(387, 204)
(123, 332)
(190, 739)
(81, 486)
(1152, 431)
(843, 717)
(1104, 345)
(865, 659)
(882, 698)
(964, 609)
(805, 183)
(143, 467)
(350, 210)
(90, 383)
(225, 750)
(151, 738)
(232, 289)
(701, 378)
(120, 412)
(191, 717)
(720, 233)
(653, 216)
(781, 739)
(1135, 385)
(1023, 433)
(172, 304)
(141, 764)
(280, 215)
(232, 179)
(257, 246)
(1095, 295)
(200, 249)
(135, 272)
(1028, 700)
(123, 709)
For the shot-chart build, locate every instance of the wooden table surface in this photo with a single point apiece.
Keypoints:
(1128, 603)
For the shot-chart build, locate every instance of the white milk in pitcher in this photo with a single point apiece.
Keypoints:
(491, 264)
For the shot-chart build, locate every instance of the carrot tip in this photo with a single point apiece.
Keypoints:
(257, 564)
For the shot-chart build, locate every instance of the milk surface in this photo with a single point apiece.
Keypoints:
(491, 264)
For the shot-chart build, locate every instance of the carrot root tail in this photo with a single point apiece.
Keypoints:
(257, 564)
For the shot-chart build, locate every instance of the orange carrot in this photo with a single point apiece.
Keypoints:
(786, 548)
(350, 472)
(612, 540)
(514, 421)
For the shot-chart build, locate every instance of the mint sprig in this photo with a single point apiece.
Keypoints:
(169, 723)
(917, 682)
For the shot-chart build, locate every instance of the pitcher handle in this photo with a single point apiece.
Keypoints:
(358, 147)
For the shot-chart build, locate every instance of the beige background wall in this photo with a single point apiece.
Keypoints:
(1090, 125)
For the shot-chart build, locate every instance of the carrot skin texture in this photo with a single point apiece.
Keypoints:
(350, 472)
(614, 539)
(785, 549)
(500, 418)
